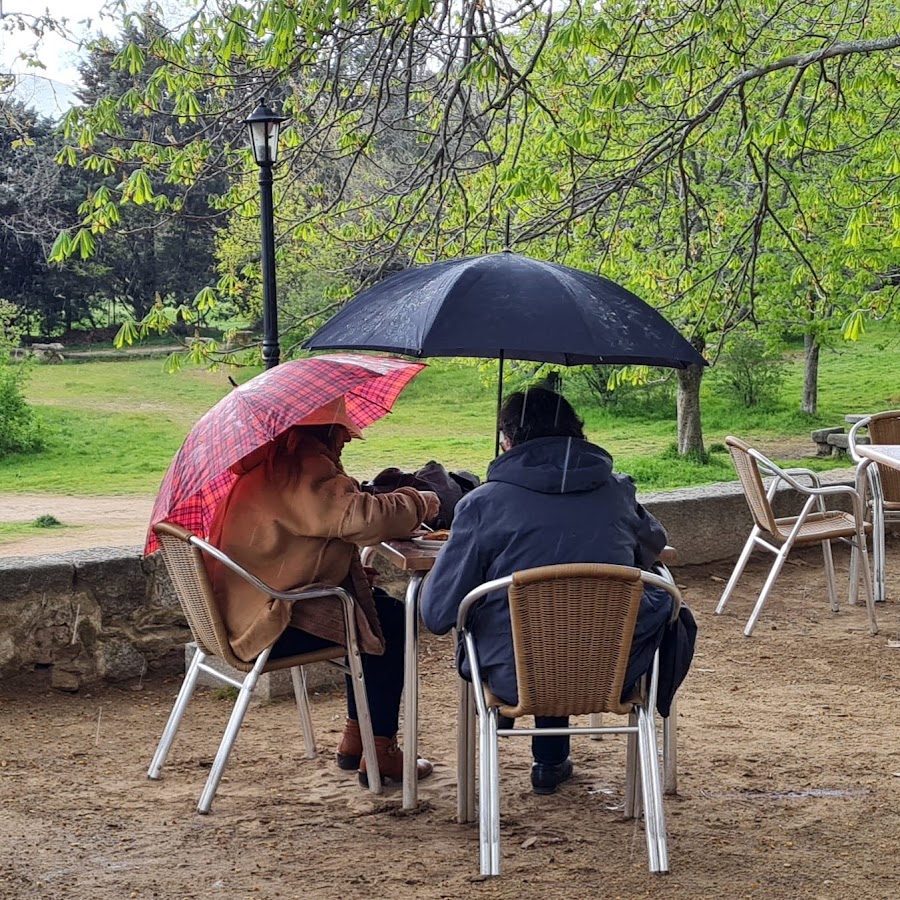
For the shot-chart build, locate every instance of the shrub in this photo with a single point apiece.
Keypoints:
(750, 371)
(650, 396)
(20, 431)
(46, 521)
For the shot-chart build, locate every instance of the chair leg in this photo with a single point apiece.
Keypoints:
(867, 580)
(301, 696)
(596, 721)
(231, 732)
(494, 754)
(878, 530)
(464, 740)
(651, 789)
(738, 569)
(878, 544)
(670, 751)
(632, 793)
(780, 557)
(489, 799)
(830, 577)
(470, 758)
(174, 720)
(364, 717)
(878, 554)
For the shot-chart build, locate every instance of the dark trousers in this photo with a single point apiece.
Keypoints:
(548, 751)
(383, 674)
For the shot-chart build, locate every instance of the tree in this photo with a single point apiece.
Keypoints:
(37, 199)
(663, 142)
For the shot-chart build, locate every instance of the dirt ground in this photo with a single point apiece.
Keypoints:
(88, 522)
(789, 782)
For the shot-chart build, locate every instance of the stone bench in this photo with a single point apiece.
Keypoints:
(48, 352)
(834, 441)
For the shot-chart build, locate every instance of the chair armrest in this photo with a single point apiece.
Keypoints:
(660, 576)
(851, 438)
(808, 473)
(475, 595)
(788, 477)
(303, 593)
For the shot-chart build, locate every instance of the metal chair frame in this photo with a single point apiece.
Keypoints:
(182, 554)
(814, 524)
(880, 491)
(642, 752)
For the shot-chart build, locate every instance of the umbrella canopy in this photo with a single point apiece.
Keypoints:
(199, 477)
(505, 305)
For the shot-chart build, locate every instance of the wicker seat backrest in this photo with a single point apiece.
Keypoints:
(884, 428)
(572, 628)
(184, 563)
(752, 484)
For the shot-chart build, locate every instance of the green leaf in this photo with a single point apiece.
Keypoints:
(62, 247)
(854, 326)
(128, 334)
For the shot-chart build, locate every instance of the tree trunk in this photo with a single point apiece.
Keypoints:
(810, 402)
(690, 428)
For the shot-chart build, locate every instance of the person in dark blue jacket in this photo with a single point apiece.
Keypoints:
(550, 497)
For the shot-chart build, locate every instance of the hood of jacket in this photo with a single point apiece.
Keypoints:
(553, 465)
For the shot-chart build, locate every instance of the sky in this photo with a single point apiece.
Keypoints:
(58, 55)
(50, 89)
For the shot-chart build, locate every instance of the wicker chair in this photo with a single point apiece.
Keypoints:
(572, 629)
(182, 553)
(814, 525)
(878, 486)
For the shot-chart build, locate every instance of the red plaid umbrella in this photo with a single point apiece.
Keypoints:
(199, 478)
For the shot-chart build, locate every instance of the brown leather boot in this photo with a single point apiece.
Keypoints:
(349, 751)
(390, 763)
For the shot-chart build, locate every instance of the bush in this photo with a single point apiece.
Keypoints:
(20, 431)
(750, 371)
(653, 398)
(46, 521)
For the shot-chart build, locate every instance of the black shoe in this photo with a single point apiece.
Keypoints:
(546, 778)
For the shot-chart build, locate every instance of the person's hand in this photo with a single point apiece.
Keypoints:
(432, 504)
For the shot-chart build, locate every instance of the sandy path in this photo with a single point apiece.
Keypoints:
(90, 522)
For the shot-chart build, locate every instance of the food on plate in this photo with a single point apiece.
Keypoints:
(440, 535)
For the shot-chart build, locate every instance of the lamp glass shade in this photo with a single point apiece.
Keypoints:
(263, 125)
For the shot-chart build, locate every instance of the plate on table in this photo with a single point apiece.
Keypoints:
(431, 540)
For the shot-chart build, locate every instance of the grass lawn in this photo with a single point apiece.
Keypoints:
(113, 426)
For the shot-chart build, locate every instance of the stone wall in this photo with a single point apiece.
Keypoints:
(91, 615)
(109, 615)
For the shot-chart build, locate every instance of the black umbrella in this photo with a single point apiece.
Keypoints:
(507, 306)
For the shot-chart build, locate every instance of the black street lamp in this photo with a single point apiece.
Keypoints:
(264, 124)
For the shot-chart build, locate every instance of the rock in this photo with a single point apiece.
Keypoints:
(117, 660)
(64, 680)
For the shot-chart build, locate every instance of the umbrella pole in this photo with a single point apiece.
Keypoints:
(499, 404)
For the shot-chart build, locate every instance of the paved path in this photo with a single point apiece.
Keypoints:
(93, 522)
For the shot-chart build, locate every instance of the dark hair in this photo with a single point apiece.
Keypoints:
(538, 413)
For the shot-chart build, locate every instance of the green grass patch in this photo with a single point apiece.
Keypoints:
(16, 531)
(113, 427)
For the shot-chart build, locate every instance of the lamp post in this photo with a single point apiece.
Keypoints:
(263, 125)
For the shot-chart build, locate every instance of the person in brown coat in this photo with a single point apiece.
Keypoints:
(295, 518)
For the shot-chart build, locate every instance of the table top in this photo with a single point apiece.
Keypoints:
(410, 557)
(886, 454)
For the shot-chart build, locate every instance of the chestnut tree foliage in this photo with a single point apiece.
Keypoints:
(733, 161)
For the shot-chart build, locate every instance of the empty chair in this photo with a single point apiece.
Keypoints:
(182, 553)
(814, 525)
(572, 629)
(879, 487)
